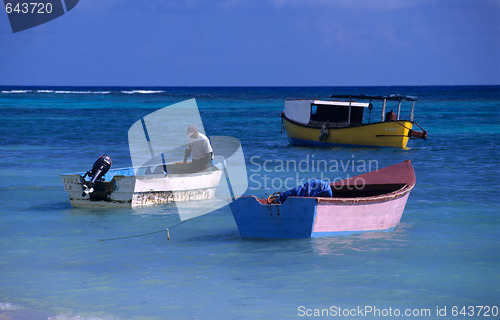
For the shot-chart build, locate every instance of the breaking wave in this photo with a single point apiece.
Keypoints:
(54, 91)
(16, 91)
(7, 306)
(143, 91)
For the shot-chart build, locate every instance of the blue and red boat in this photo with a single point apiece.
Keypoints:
(373, 201)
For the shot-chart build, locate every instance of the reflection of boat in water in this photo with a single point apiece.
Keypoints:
(373, 201)
(145, 186)
(345, 123)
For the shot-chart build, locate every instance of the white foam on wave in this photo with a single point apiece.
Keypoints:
(143, 91)
(56, 91)
(78, 317)
(7, 306)
(16, 91)
(82, 92)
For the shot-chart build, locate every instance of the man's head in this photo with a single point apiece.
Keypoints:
(192, 131)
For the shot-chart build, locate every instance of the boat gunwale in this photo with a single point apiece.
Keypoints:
(408, 185)
(352, 200)
(148, 176)
(373, 199)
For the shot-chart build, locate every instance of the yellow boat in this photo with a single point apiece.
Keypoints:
(342, 123)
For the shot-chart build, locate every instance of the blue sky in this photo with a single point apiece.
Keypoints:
(258, 43)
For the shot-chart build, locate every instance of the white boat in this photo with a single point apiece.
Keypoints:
(157, 142)
(130, 187)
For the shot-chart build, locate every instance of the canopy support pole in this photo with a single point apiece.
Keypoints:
(412, 108)
(399, 108)
(349, 118)
(383, 111)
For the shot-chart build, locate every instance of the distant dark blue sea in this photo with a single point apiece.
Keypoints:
(442, 259)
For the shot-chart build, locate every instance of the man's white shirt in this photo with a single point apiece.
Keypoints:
(199, 146)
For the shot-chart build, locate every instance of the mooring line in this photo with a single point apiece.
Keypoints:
(147, 234)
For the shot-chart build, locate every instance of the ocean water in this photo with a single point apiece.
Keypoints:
(443, 254)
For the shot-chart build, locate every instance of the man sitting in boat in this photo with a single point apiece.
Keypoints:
(199, 146)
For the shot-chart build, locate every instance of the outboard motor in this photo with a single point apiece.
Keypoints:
(96, 174)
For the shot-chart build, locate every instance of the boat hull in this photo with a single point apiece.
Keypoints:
(143, 190)
(301, 217)
(292, 219)
(373, 201)
(337, 218)
(380, 134)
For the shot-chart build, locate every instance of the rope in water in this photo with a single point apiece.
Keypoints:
(147, 234)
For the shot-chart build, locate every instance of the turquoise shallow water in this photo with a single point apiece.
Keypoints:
(443, 253)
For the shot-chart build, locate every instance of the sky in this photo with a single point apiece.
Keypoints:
(258, 43)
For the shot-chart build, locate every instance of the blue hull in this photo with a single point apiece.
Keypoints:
(292, 219)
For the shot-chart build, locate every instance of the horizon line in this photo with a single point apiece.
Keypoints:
(250, 86)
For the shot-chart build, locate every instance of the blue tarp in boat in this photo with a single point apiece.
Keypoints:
(313, 188)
